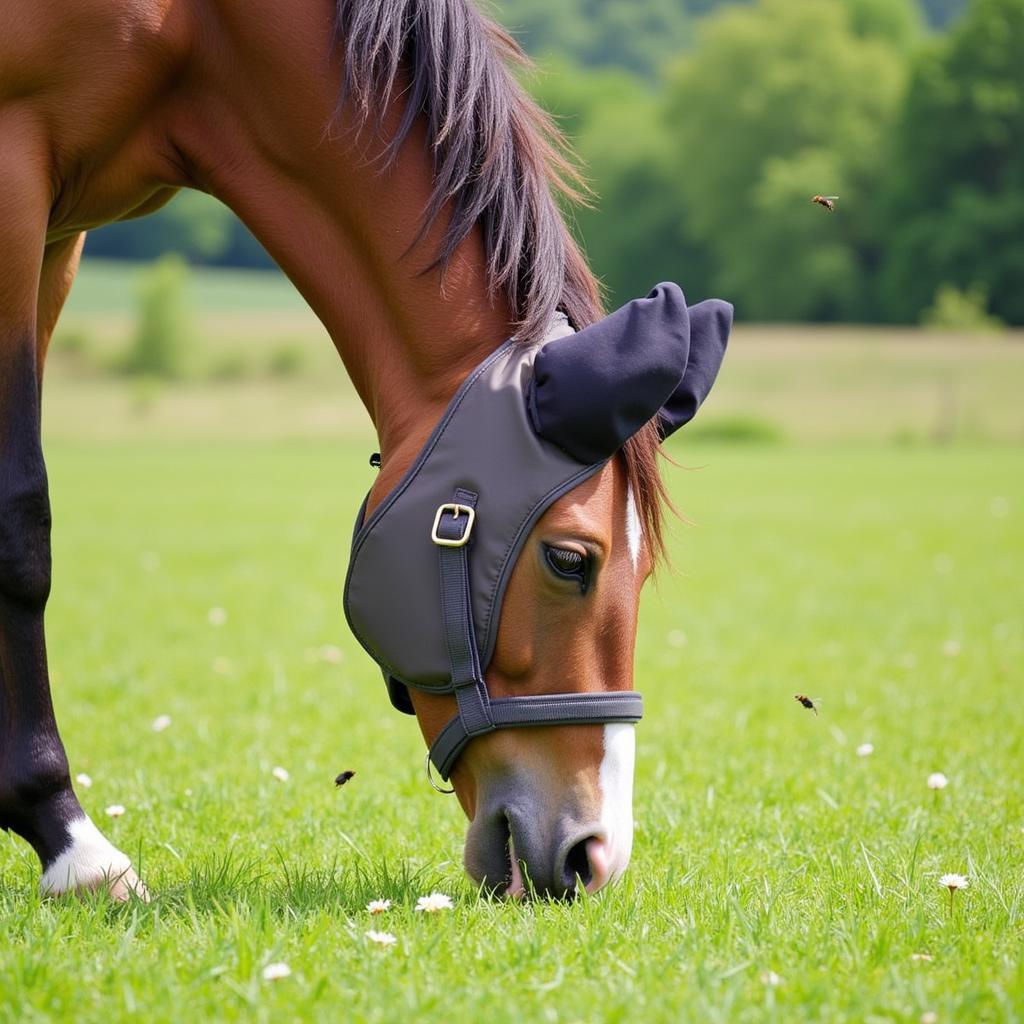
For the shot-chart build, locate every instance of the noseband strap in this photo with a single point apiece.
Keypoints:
(478, 714)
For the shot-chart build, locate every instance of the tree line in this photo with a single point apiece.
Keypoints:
(705, 128)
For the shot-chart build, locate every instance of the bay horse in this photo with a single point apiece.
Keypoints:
(385, 156)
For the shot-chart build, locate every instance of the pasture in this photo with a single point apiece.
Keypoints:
(870, 555)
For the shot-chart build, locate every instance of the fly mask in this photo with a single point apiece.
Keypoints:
(429, 568)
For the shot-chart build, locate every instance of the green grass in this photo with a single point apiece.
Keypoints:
(885, 580)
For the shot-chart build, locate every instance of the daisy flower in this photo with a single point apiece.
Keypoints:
(937, 781)
(378, 906)
(281, 774)
(85, 781)
(381, 938)
(161, 722)
(865, 749)
(952, 883)
(275, 972)
(770, 978)
(434, 902)
(115, 810)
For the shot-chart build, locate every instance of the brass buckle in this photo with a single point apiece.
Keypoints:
(455, 508)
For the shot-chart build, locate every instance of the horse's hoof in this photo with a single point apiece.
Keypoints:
(121, 886)
(90, 863)
(125, 886)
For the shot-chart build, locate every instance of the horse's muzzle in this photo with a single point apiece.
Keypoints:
(514, 850)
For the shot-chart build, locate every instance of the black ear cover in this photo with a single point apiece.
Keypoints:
(593, 390)
(710, 323)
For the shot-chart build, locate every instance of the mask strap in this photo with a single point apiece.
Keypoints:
(478, 714)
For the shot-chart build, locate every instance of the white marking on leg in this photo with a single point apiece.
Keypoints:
(634, 529)
(617, 794)
(90, 861)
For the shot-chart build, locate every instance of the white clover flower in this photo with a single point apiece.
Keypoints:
(115, 810)
(865, 750)
(381, 938)
(216, 616)
(434, 902)
(275, 972)
(378, 906)
(85, 781)
(937, 781)
(161, 722)
(281, 774)
(771, 979)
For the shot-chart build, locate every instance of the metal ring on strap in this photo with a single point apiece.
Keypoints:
(430, 778)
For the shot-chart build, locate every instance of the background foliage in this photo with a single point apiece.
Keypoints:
(705, 126)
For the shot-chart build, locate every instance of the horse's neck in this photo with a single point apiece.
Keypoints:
(256, 135)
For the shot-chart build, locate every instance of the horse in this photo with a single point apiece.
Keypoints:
(386, 157)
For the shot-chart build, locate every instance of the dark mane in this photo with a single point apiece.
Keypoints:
(499, 161)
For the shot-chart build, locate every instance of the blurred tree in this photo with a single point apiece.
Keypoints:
(780, 101)
(956, 197)
(941, 12)
(897, 22)
(632, 233)
(638, 35)
(158, 347)
(957, 309)
(191, 224)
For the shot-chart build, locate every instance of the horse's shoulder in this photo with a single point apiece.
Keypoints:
(49, 46)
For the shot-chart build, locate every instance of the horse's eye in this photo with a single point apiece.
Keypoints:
(568, 564)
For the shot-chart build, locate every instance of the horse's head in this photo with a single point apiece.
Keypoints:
(558, 798)
(506, 569)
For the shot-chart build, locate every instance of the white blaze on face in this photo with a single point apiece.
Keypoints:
(617, 794)
(634, 529)
(88, 861)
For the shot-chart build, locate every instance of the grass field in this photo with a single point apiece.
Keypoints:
(882, 577)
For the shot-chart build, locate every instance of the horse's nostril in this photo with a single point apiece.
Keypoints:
(577, 865)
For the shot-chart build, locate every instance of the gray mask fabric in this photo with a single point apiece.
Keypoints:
(430, 567)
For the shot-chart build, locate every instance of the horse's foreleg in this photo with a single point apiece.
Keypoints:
(36, 797)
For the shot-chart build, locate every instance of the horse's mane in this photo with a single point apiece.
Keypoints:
(499, 161)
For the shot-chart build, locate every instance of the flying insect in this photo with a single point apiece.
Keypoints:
(807, 702)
